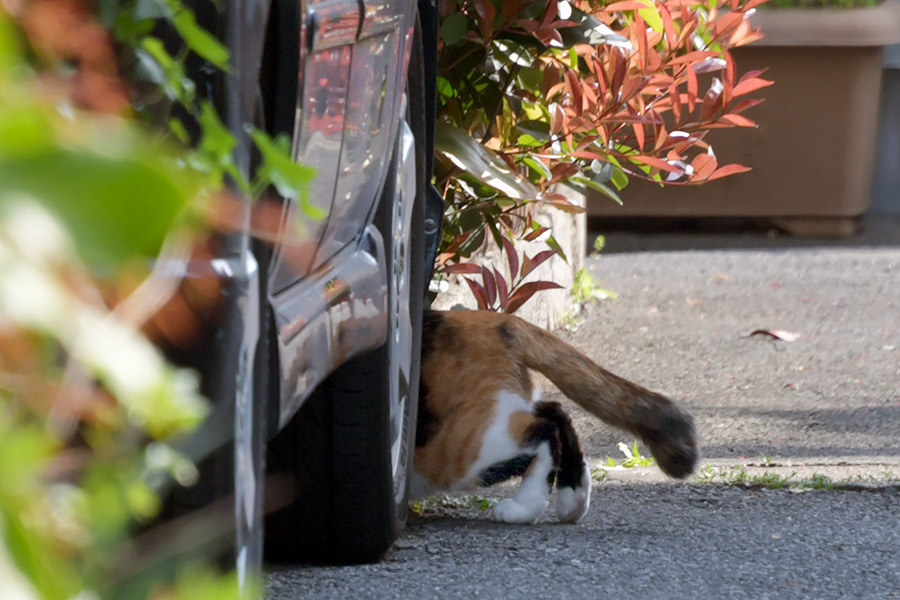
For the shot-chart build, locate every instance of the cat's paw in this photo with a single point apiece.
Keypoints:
(573, 503)
(512, 511)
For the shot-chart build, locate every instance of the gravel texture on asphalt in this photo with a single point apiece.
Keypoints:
(681, 325)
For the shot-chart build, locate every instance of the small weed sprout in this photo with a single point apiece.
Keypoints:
(707, 475)
(816, 482)
(471, 501)
(633, 458)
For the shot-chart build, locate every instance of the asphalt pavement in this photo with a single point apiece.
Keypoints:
(798, 495)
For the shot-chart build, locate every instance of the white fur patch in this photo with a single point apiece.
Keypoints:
(497, 445)
(533, 495)
(573, 503)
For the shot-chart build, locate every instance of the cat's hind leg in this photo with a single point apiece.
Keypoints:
(557, 456)
(573, 478)
(540, 438)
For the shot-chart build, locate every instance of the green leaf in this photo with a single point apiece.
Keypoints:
(651, 16)
(214, 151)
(445, 88)
(10, 48)
(161, 68)
(178, 130)
(529, 140)
(454, 27)
(216, 139)
(289, 178)
(597, 186)
(467, 154)
(117, 207)
(198, 39)
(619, 179)
(514, 53)
(533, 111)
(551, 241)
(531, 78)
(538, 167)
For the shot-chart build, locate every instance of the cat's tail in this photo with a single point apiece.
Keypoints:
(666, 429)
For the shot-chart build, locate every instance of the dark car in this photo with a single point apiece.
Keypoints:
(313, 367)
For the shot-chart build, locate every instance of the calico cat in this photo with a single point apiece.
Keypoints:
(477, 422)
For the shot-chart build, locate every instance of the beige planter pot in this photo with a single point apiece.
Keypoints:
(813, 151)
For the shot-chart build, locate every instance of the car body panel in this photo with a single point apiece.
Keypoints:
(333, 315)
(294, 307)
(346, 124)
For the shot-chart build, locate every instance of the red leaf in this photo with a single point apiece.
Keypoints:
(639, 134)
(532, 263)
(490, 286)
(656, 162)
(485, 10)
(556, 118)
(692, 87)
(551, 10)
(535, 234)
(751, 84)
(738, 120)
(642, 40)
(727, 21)
(510, 8)
(586, 141)
(711, 102)
(526, 291)
(676, 102)
(740, 34)
(479, 294)
(625, 5)
(590, 155)
(745, 104)
(619, 75)
(601, 75)
(694, 57)
(502, 289)
(450, 252)
(551, 78)
(562, 171)
(575, 89)
(511, 256)
(563, 204)
(731, 169)
(704, 165)
(467, 268)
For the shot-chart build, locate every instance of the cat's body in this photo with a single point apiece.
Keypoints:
(478, 424)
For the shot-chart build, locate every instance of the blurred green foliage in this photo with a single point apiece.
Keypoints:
(91, 188)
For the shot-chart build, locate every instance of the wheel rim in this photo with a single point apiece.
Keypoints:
(401, 327)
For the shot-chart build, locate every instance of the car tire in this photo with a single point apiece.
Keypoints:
(350, 447)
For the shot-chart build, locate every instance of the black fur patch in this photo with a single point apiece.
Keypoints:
(506, 333)
(434, 327)
(545, 430)
(427, 424)
(431, 322)
(500, 472)
(570, 466)
(672, 439)
(426, 421)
